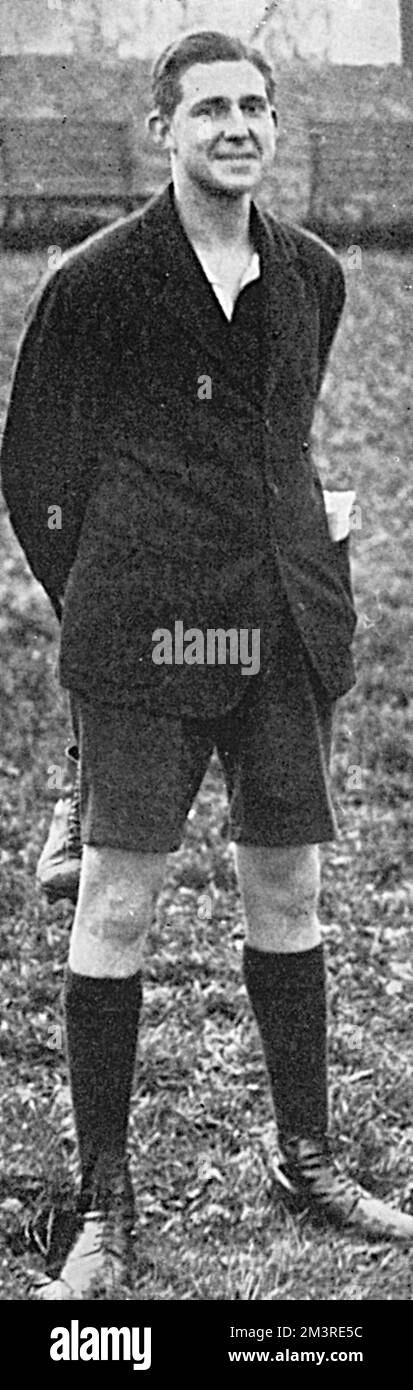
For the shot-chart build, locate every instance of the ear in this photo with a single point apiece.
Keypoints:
(159, 128)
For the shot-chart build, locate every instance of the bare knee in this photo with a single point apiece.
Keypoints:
(117, 896)
(280, 888)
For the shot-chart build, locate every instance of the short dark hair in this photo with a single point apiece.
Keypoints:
(204, 46)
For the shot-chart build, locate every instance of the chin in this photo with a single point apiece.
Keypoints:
(230, 188)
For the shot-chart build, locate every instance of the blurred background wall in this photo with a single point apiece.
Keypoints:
(345, 99)
(344, 31)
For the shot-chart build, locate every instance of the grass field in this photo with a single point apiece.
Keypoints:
(202, 1134)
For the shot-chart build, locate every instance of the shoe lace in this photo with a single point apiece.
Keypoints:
(320, 1174)
(109, 1193)
(111, 1220)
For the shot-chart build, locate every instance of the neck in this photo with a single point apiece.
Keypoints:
(210, 218)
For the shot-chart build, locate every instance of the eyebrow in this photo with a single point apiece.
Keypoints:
(226, 101)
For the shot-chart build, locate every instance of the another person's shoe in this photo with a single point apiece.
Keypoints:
(99, 1261)
(308, 1181)
(58, 869)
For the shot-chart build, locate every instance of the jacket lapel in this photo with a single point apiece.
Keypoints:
(290, 324)
(179, 290)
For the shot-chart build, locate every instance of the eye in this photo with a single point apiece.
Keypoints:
(211, 108)
(255, 105)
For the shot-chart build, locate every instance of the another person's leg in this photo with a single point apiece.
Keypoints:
(58, 869)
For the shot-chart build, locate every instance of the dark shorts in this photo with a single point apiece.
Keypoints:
(140, 773)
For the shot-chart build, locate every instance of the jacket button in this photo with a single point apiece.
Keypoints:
(274, 489)
(305, 446)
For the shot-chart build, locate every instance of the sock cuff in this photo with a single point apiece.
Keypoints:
(285, 965)
(106, 994)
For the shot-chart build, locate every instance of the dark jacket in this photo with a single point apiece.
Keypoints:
(167, 512)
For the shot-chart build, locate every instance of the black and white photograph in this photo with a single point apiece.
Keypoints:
(206, 527)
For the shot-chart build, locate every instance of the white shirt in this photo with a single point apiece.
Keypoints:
(223, 294)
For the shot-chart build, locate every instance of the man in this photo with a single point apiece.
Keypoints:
(160, 412)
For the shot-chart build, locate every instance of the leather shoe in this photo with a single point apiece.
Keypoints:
(100, 1258)
(309, 1182)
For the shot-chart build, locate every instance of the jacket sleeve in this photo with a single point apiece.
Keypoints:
(47, 458)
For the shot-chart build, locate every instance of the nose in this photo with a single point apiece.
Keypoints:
(236, 127)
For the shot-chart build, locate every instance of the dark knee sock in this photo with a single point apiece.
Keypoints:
(102, 1018)
(288, 996)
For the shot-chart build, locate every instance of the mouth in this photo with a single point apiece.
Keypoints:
(237, 158)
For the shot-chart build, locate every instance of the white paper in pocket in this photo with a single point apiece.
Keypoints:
(339, 507)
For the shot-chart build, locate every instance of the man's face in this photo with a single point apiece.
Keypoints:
(222, 132)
